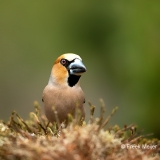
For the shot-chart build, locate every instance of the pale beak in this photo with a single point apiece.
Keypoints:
(76, 67)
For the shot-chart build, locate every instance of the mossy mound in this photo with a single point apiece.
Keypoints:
(35, 139)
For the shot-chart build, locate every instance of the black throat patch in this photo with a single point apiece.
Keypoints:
(72, 80)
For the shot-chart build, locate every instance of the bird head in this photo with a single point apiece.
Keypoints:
(67, 70)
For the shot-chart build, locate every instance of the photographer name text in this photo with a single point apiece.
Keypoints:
(137, 146)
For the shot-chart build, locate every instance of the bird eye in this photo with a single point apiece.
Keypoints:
(63, 62)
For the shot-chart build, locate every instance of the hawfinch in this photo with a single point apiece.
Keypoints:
(63, 92)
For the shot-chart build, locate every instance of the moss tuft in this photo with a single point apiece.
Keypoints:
(36, 139)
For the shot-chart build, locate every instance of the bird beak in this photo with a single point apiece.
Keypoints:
(77, 67)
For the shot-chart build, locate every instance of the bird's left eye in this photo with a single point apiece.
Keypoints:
(64, 62)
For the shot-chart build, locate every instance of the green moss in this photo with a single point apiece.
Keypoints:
(37, 139)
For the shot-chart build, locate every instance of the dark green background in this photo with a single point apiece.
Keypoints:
(119, 42)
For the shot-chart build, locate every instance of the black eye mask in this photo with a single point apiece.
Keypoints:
(72, 79)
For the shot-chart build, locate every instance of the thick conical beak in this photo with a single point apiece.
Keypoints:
(77, 67)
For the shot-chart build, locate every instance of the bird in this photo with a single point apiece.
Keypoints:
(63, 92)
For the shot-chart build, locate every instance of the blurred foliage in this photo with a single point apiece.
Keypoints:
(118, 41)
